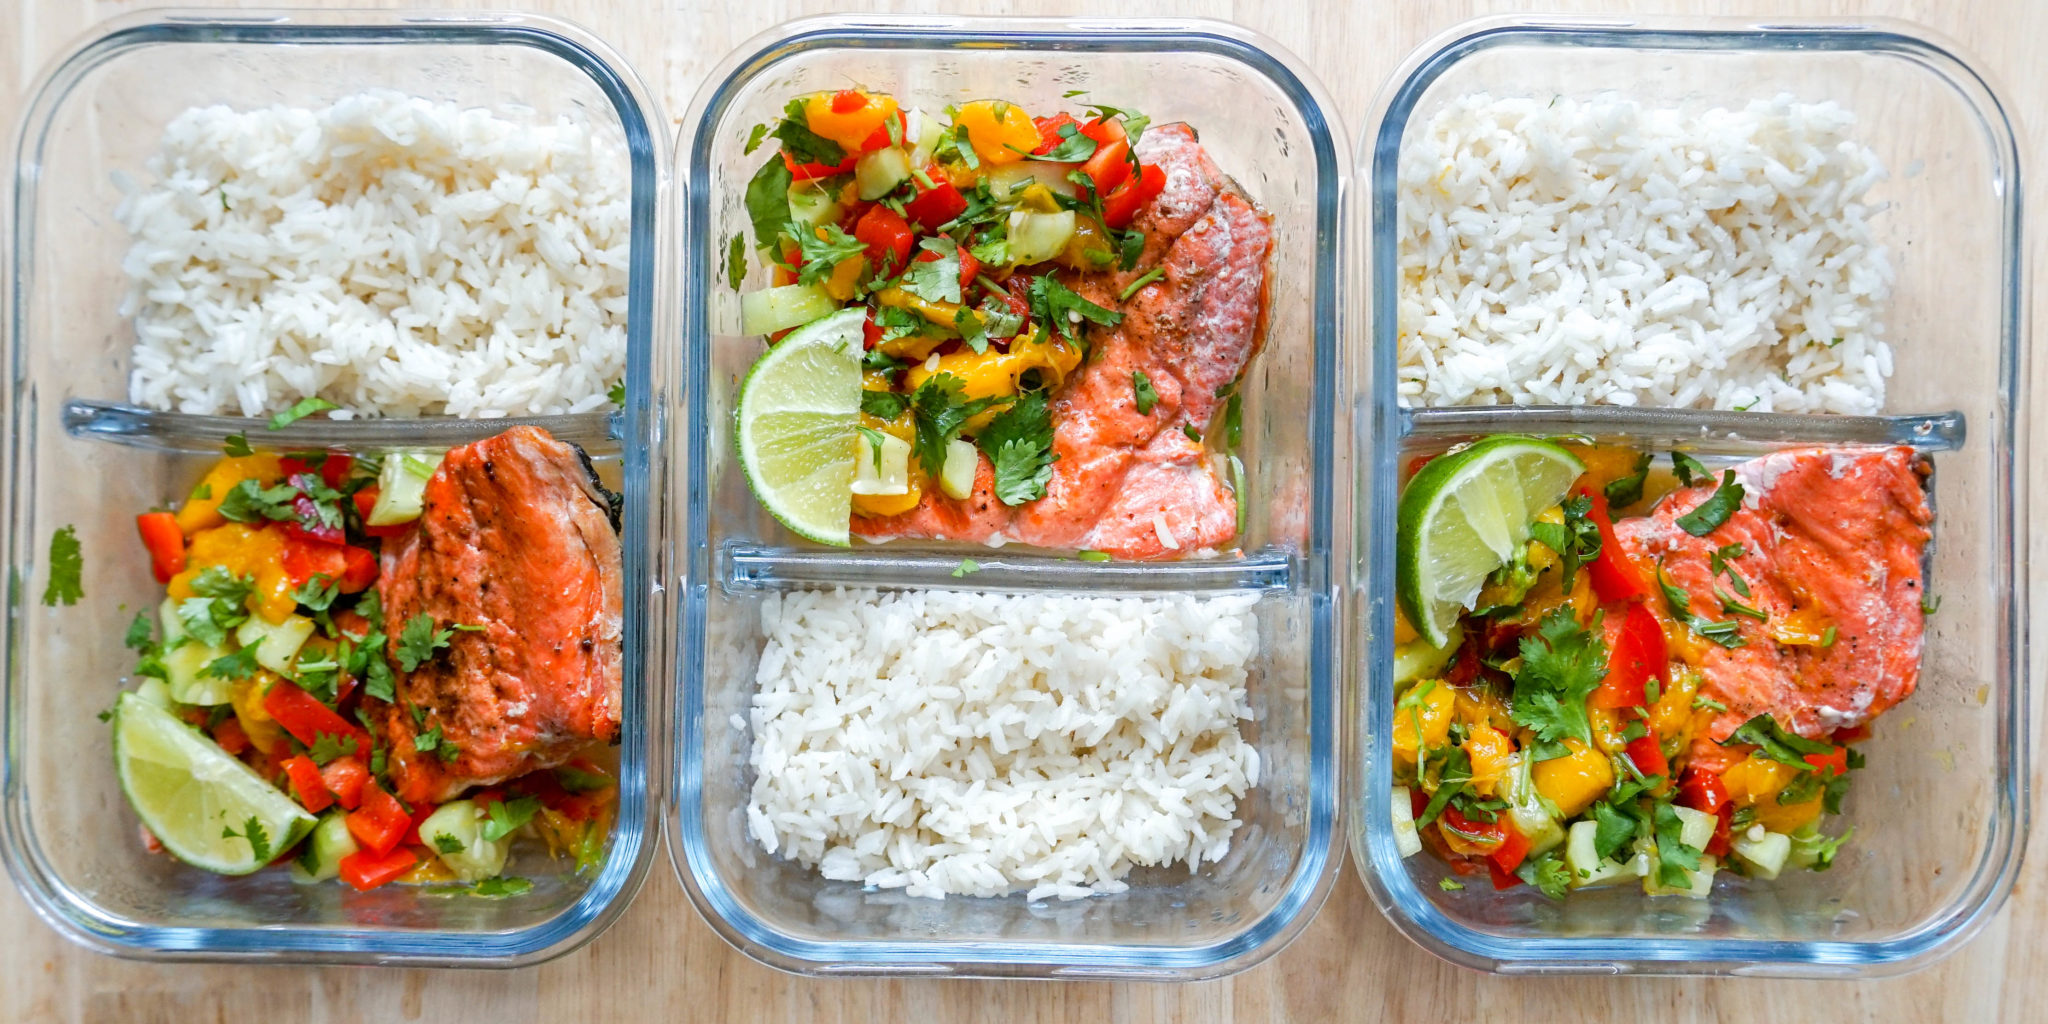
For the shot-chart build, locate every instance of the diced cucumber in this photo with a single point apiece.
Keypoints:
(276, 645)
(1696, 828)
(1037, 237)
(886, 473)
(921, 132)
(455, 833)
(1587, 867)
(956, 477)
(1699, 883)
(402, 486)
(1765, 855)
(1010, 179)
(814, 203)
(320, 859)
(1416, 659)
(185, 658)
(878, 173)
(1528, 810)
(154, 690)
(791, 305)
(1405, 837)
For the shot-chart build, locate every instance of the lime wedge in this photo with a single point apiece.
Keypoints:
(1465, 515)
(189, 792)
(797, 411)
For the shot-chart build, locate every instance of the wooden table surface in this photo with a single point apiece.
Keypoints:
(660, 960)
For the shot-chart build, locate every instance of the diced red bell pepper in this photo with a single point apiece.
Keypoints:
(1702, 791)
(358, 570)
(351, 623)
(380, 822)
(1831, 764)
(870, 332)
(1513, 847)
(166, 543)
(334, 471)
(1648, 755)
(935, 206)
(879, 138)
(1492, 836)
(1724, 825)
(1614, 577)
(808, 171)
(1121, 205)
(419, 816)
(888, 239)
(301, 714)
(366, 870)
(1501, 879)
(366, 499)
(305, 557)
(1049, 131)
(846, 101)
(230, 735)
(308, 784)
(1636, 653)
(1465, 664)
(345, 777)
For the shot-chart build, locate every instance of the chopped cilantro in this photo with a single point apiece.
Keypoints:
(1576, 540)
(1622, 492)
(823, 248)
(499, 888)
(1018, 443)
(446, 843)
(1818, 848)
(1718, 564)
(1674, 857)
(303, 408)
(935, 280)
(328, 747)
(239, 665)
(1561, 666)
(1827, 637)
(1072, 148)
(736, 261)
(419, 640)
(754, 139)
(967, 567)
(1143, 279)
(1724, 632)
(1093, 556)
(767, 202)
(507, 816)
(940, 408)
(1929, 604)
(883, 405)
(1687, 468)
(1776, 743)
(1547, 873)
(1055, 305)
(1711, 513)
(252, 831)
(1702, 702)
(67, 569)
(1734, 607)
(141, 633)
(318, 593)
(1143, 393)
(1612, 828)
(1449, 885)
(237, 446)
(875, 439)
(804, 145)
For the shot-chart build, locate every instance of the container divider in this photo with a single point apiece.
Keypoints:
(749, 567)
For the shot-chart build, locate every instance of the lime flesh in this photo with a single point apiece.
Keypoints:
(189, 792)
(795, 426)
(1466, 514)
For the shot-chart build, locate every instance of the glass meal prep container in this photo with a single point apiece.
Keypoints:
(77, 455)
(1940, 813)
(1274, 136)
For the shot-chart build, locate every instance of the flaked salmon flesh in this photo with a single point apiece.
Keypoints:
(515, 538)
(1136, 485)
(1830, 538)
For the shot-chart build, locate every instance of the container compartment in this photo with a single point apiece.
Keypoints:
(1940, 812)
(70, 840)
(1274, 137)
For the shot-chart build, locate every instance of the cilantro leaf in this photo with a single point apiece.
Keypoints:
(1711, 513)
(1055, 305)
(941, 409)
(735, 263)
(252, 831)
(249, 502)
(1725, 632)
(1624, 491)
(141, 633)
(824, 247)
(1449, 884)
(419, 640)
(768, 202)
(1018, 443)
(1777, 743)
(318, 593)
(499, 888)
(446, 843)
(1143, 279)
(67, 569)
(237, 446)
(1687, 468)
(616, 394)
(328, 747)
(1818, 848)
(1093, 556)
(935, 280)
(875, 439)
(1546, 873)
(303, 408)
(1576, 540)
(1143, 394)
(507, 816)
(1612, 829)
(239, 665)
(754, 139)
(1561, 666)
(804, 145)
(883, 405)
(967, 567)
(576, 780)
(1072, 148)
(1674, 857)
(1718, 564)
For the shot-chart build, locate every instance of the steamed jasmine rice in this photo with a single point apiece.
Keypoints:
(394, 256)
(1558, 251)
(955, 743)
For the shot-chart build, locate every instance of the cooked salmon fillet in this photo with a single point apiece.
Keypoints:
(1830, 538)
(517, 538)
(1136, 485)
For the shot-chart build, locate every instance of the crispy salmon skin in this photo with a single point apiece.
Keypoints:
(1138, 485)
(1831, 543)
(516, 539)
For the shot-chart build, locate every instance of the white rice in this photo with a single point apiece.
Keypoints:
(1555, 251)
(980, 744)
(394, 256)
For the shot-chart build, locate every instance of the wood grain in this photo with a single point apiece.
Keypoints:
(661, 961)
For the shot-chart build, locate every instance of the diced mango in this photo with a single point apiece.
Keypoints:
(202, 509)
(1492, 756)
(1671, 715)
(247, 699)
(1425, 721)
(1574, 781)
(852, 128)
(243, 551)
(1001, 132)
